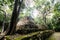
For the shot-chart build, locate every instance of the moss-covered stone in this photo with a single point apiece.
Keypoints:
(31, 36)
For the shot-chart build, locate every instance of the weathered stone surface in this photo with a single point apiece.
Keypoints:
(27, 24)
(41, 35)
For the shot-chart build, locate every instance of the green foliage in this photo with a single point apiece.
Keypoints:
(1, 17)
(56, 17)
(55, 21)
(57, 8)
(42, 6)
(5, 7)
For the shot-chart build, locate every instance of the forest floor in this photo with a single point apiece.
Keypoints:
(55, 36)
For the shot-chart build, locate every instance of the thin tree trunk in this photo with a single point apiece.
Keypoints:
(3, 26)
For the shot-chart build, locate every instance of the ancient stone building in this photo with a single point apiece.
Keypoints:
(27, 24)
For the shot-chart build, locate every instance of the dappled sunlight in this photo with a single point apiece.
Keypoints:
(29, 19)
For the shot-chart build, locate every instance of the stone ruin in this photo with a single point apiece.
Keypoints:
(26, 25)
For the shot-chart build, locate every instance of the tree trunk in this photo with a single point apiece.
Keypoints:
(4, 19)
(14, 17)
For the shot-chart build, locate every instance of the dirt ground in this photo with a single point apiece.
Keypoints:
(55, 36)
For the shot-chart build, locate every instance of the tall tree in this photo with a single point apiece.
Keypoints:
(15, 14)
